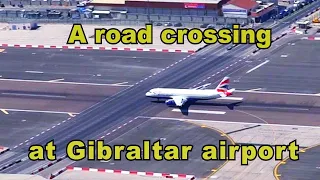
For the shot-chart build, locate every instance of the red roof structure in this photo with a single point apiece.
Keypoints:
(245, 4)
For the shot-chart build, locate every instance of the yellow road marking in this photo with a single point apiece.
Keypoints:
(222, 134)
(275, 170)
(4, 111)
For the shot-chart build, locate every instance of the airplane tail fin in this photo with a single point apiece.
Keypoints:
(224, 87)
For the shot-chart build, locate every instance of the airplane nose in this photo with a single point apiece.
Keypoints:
(148, 94)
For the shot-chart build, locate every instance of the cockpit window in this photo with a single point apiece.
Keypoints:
(153, 91)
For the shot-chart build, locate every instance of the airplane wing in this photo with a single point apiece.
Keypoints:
(203, 86)
(179, 100)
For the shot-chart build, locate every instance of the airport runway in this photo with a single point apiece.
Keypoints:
(257, 107)
(16, 127)
(87, 66)
(168, 132)
(46, 96)
(286, 69)
(131, 102)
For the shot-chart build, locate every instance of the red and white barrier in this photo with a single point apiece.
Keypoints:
(166, 175)
(96, 48)
(297, 31)
(312, 38)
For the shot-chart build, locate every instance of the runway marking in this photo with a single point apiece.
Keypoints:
(228, 122)
(176, 62)
(56, 80)
(257, 66)
(222, 134)
(231, 98)
(263, 120)
(34, 95)
(275, 170)
(34, 72)
(284, 108)
(38, 111)
(71, 114)
(4, 111)
(279, 93)
(105, 161)
(257, 89)
(201, 111)
(120, 83)
(40, 133)
(59, 82)
(119, 127)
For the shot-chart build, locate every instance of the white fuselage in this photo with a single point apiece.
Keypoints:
(187, 93)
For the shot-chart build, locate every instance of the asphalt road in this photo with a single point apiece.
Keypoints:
(132, 102)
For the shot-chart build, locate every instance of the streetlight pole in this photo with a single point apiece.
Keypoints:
(148, 11)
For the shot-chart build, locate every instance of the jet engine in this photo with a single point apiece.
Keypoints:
(170, 102)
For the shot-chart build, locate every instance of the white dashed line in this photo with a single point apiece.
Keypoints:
(40, 133)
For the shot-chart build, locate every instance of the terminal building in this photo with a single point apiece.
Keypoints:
(203, 11)
(161, 7)
(258, 11)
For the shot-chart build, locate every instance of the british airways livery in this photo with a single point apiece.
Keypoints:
(178, 97)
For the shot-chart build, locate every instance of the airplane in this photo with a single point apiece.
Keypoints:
(178, 97)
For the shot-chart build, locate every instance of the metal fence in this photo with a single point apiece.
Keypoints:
(130, 20)
(14, 14)
(9, 3)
